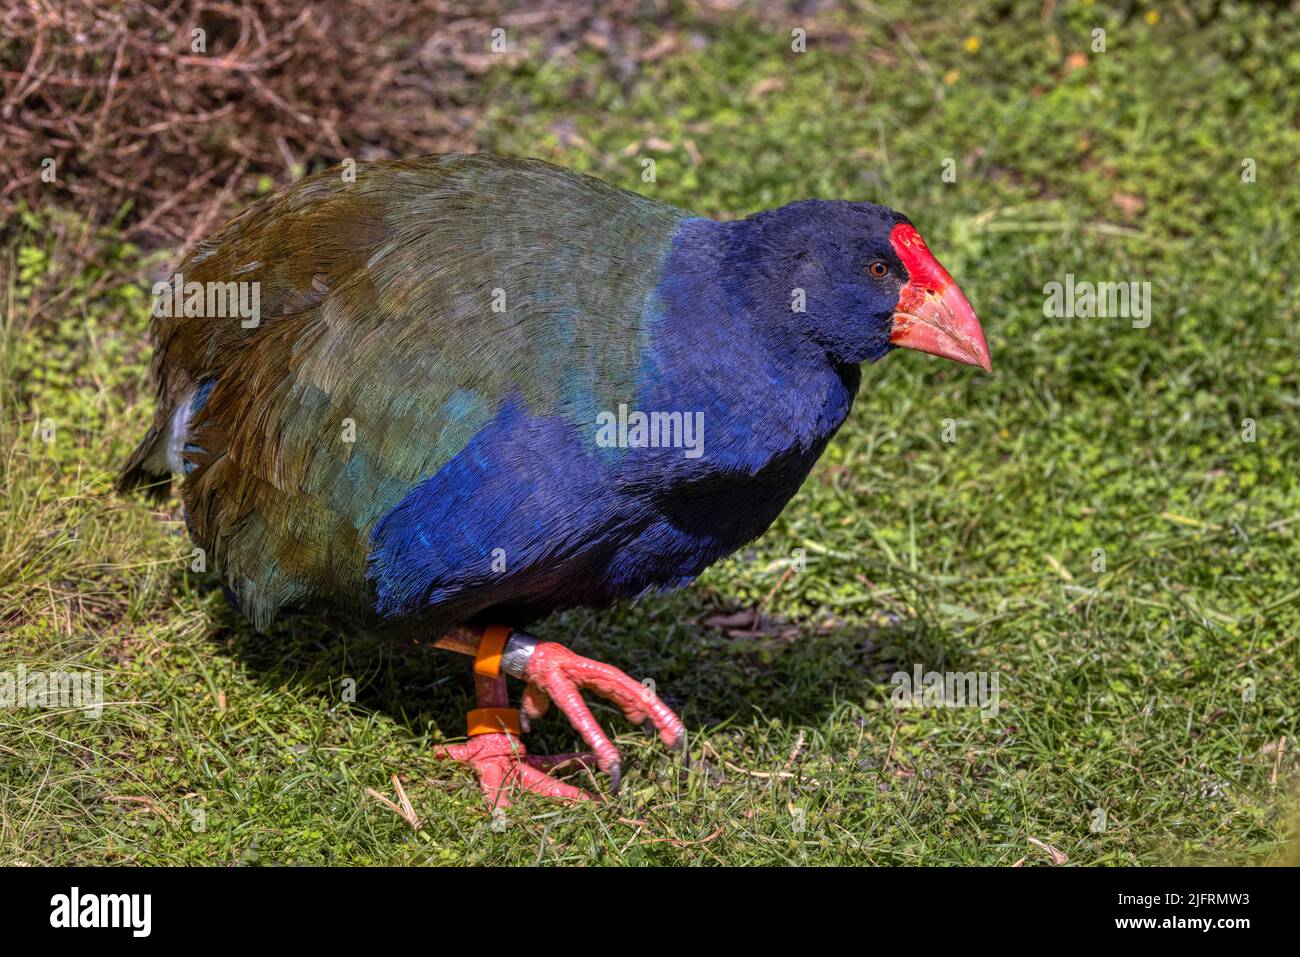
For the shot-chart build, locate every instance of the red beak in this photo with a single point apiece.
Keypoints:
(932, 314)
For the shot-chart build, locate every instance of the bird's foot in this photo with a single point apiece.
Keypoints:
(503, 766)
(551, 673)
(556, 674)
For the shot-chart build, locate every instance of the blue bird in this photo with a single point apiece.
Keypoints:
(452, 395)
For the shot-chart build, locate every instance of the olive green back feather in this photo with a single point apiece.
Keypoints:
(377, 318)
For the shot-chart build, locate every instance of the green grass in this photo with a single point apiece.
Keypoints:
(1156, 689)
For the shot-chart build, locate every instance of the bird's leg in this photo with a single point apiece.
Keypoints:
(499, 757)
(556, 674)
(553, 673)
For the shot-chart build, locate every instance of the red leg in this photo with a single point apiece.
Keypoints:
(553, 673)
(502, 762)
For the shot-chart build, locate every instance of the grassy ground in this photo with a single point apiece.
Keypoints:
(1099, 534)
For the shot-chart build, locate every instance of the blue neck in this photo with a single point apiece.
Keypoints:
(718, 348)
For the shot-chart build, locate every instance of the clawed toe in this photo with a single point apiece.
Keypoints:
(554, 675)
(503, 766)
(557, 674)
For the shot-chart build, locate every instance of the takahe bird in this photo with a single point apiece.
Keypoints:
(479, 390)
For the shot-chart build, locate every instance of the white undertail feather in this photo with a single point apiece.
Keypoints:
(166, 455)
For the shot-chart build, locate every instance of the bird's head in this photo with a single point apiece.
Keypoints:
(856, 279)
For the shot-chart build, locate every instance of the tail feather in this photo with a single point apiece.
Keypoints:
(146, 470)
(159, 455)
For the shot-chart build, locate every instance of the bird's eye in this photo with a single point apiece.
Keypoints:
(877, 270)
